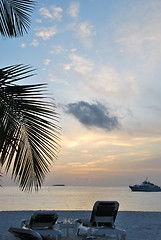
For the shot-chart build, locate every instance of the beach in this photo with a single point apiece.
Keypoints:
(138, 225)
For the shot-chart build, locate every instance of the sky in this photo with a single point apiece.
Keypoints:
(102, 62)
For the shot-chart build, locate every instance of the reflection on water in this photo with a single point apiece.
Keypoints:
(77, 198)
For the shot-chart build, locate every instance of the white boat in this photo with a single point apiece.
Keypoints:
(145, 186)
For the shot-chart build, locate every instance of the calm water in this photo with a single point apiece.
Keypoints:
(77, 198)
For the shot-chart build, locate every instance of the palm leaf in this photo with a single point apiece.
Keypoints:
(15, 17)
(28, 126)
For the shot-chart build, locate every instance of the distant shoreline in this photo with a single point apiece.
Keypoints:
(58, 185)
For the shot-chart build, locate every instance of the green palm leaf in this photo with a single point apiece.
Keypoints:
(28, 128)
(15, 17)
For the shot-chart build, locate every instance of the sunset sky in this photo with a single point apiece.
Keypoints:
(102, 61)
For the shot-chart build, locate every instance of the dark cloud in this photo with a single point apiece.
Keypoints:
(93, 115)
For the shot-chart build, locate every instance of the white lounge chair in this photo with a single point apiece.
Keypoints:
(102, 222)
(43, 222)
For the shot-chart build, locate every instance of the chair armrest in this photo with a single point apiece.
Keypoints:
(24, 223)
(84, 222)
(81, 220)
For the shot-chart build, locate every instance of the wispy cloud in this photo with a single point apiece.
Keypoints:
(73, 9)
(84, 31)
(47, 61)
(102, 78)
(139, 35)
(93, 115)
(57, 12)
(35, 43)
(57, 49)
(52, 13)
(45, 13)
(45, 33)
(80, 64)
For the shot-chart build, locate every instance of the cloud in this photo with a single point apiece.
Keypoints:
(93, 115)
(35, 43)
(57, 49)
(81, 65)
(23, 45)
(38, 20)
(97, 77)
(73, 9)
(84, 31)
(45, 13)
(47, 61)
(141, 39)
(54, 13)
(46, 33)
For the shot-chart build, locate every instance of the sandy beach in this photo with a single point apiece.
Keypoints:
(138, 225)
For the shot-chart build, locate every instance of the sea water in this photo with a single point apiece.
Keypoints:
(77, 198)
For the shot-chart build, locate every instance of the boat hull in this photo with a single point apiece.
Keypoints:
(139, 189)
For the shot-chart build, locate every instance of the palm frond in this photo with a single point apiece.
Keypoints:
(15, 17)
(29, 131)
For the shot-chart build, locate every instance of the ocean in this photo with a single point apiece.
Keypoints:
(77, 198)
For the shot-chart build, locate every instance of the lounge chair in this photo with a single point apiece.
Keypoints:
(43, 222)
(102, 222)
(21, 234)
(24, 234)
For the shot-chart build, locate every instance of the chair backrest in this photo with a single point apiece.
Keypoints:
(104, 213)
(43, 219)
